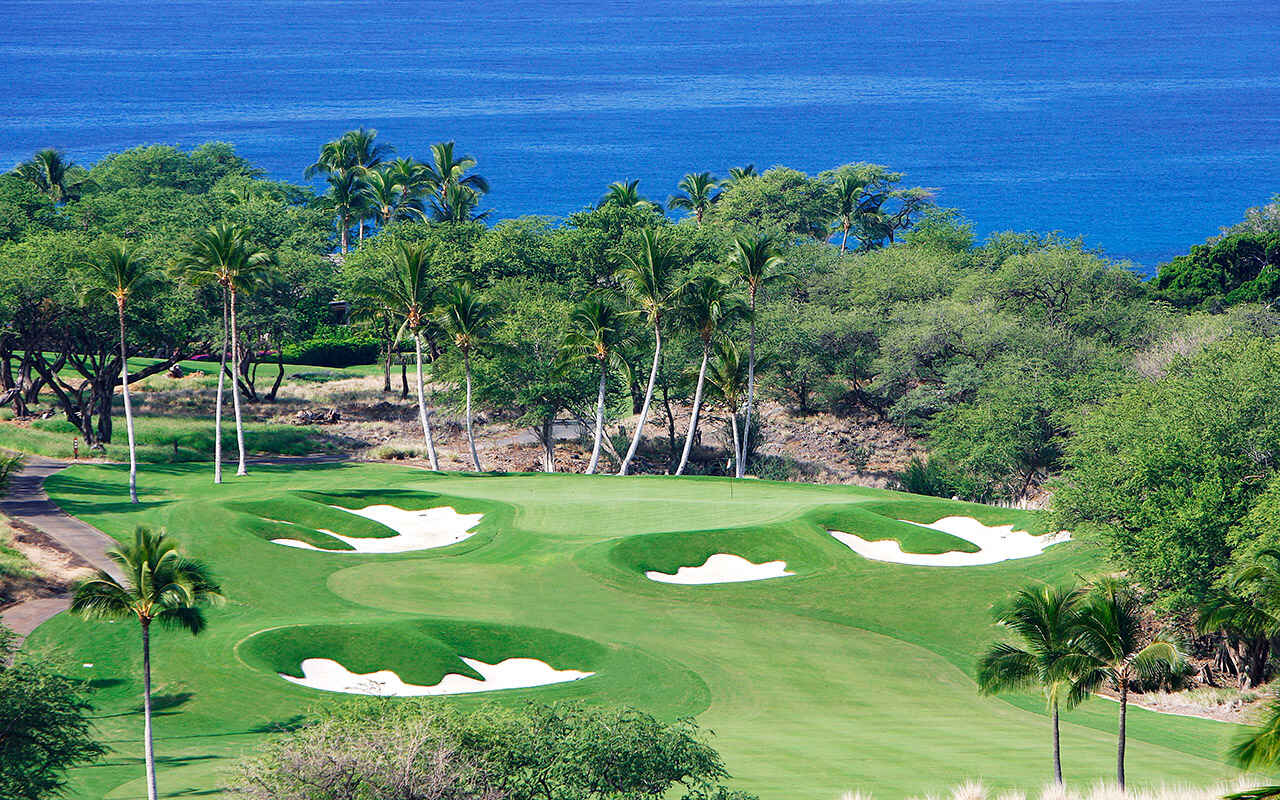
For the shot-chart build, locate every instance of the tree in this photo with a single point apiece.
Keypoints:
(118, 273)
(446, 170)
(408, 292)
(705, 305)
(1244, 609)
(699, 194)
(355, 152)
(1258, 750)
(390, 198)
(596, 331)
(756, 262)
(1045, 620)
(348, 198)
(624, 194)
(648, 279)
(727, 376)
(466, 319)
(54, 175)
(222, 255)
(456, 204)
(161, 586)
(1242, 267)
(845, 201)
(1113, 650)
(783, 202)
(739, 173)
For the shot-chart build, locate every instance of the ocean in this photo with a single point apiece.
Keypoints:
(1142, 125)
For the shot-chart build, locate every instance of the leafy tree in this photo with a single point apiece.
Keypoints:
(779, 201)
(596, 331)
(698, 194)
(355, 152)
(45, 727)
(467, 319)
(160, 587)
(54, 175)
(1045, 620)
(706, 305)
(23, 208)
(165, 167)
(1238, 268)
(846, 197)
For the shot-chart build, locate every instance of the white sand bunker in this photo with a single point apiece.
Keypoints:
(415, 530)
(995, 543)
(513, 673)
(723, 568)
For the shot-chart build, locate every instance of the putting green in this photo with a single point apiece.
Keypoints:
(849, 674)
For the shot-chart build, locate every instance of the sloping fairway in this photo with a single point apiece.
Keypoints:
(850, 674)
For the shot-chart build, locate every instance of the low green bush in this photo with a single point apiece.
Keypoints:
(332, 351)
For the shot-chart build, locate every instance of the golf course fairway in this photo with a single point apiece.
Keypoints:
(849, 674)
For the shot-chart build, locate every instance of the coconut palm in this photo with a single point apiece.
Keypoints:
(706, 305)
(466, 319)
(446, 169)
(356, 152)
(222, 254)
(1113, 650)
(727, 385)
(408, 294)
(390, 198)
(348, 199)
(739, 173)
(648, 280)
(755, 262)
(1045, 619)
(118, 273)
(624, 194)
(597, 330)
(844, 204)
(159, 586)
(54, 175)
(412, 175)
(1259, 750)
(1245, 610)
(456, 204)
(700, 194)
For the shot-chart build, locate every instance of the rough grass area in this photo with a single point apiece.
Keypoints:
(13, 564)
(851, 674)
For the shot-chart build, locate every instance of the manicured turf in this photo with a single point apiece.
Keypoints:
(852, 674)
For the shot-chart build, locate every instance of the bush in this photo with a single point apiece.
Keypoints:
(332, 351)
(926, 477)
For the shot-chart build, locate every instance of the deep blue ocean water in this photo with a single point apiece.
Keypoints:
(1142, 125)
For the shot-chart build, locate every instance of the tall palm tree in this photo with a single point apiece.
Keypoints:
(54, 175)
(700, 194)
(412, 175)
(624, 194)
(727, 384)
(467, 319)
(161, 587)
(648, 280)
(1045, 620)
(356, 152)
(1114, 650)
(755, 262)
(596, 330)
(409, 295)
(447, 169)
(847, 193)
(349, 200)
(389, 198)
(706, 305)
(739, 173)
(222, 254)
(456, 204)
(118, 273)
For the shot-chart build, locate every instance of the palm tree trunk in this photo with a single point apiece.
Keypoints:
(386, 366)
(844, 237)
(128, 408)
(740, 468)
(345, 224)
(148, 748)
(648, 398)
(1124, 712)
(549, 444)
(217, 409)
(471, 439)
(697, 406)
(595, 448)
(422, 406)
(1057, 747)
(733, 424)
(235, 386)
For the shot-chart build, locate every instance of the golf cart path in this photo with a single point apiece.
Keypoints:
(26, 500)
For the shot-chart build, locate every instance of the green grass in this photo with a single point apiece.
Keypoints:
(852, 674)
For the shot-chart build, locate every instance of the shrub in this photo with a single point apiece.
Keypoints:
(332, 351)
(926, 477)
(9, 466)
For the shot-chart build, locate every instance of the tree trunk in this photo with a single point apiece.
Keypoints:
(549, 444)
(275, 385)
(235, 388)
(648, 398)
(422, 406)
(595, 447)
(404, 379)
(844, 238)
(345, 233)
(1124, 711)
(386, 366)
(1057, 749)
(148, 748)
(733, 425)
(671, 417)
(740, 468)
(217, 408)
(697, 406)
(471, 439)
(128, 408)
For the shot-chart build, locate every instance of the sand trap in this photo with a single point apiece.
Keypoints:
(723, 568)
(415, 530)
(995, 542)
(513, 673)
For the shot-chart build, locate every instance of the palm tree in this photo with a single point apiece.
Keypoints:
(54, 175)
(707, 304)
(409, 294)
(160, 586)
(412, 175)
(647, 279)
(756, 262)
(1259, 750)
(467, 319)
(739, 173)
(624, 194)
(348, 198)
(456, 204)
(356, 152)
(699, 194)
(1111, 648)
(596, 330)
(390, 198)
(727, 383)
(446, 170)
(1244, 610)
(1045, 619)
(844, 204)
(118, 273)
(222, 254)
